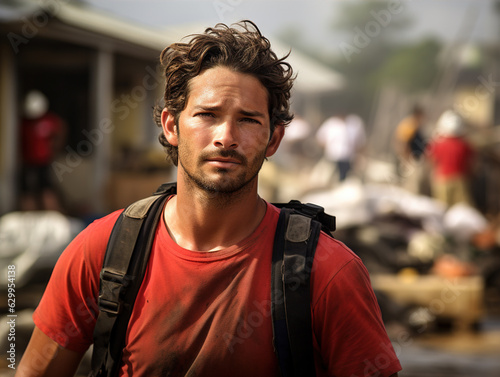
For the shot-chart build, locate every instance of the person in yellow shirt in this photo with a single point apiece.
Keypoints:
(409, 140)
(409, 145)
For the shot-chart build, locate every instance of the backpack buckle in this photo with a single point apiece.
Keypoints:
(318, 212)
(111, 287)
(312, 210)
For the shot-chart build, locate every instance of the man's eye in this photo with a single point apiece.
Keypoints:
(209, 115)
(250, 120)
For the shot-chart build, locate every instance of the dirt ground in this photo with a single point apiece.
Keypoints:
(453, 354)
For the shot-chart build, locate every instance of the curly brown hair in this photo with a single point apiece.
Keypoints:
(243, 49)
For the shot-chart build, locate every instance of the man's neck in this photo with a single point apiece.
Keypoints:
(203, 221)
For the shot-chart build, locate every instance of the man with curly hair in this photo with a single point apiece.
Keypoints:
(203, 306)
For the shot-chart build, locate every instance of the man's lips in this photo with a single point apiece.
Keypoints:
(224, 160)
(223, 163)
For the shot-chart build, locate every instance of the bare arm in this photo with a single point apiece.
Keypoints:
(44, 357)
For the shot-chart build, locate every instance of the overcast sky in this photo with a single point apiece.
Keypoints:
(313, 18)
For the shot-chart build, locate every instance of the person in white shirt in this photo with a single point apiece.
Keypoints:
(342, 137)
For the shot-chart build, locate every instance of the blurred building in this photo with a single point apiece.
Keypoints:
(99, 74)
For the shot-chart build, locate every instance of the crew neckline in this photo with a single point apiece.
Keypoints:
(172, 247)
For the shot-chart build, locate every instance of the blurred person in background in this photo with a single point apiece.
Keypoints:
(342, 138)
(451, 157)
(42, 136)
(409, 145)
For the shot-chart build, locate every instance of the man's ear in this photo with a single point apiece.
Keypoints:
(169, 127)
(274, 142)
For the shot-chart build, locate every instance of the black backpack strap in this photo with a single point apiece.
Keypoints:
(296, 238)
(125, 263)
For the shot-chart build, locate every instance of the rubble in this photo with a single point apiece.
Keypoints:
(415, 249)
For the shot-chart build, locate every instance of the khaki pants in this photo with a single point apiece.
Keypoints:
(451, 190)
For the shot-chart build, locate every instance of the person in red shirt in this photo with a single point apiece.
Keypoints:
(204, 305)
(42, 134)
(451, 157)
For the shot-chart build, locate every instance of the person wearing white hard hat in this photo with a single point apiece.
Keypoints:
(451, 158)
(42, 133)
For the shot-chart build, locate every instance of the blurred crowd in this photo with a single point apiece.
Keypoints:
(420, 221)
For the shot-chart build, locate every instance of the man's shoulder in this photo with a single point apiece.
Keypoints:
(330, 248)
(336, 266)
(104, 222)
(97, 233)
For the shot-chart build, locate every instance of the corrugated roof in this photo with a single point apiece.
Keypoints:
(87, 18)
(96, 21)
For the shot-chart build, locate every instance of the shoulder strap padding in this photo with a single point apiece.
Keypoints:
(296, 238)
(298, 229)
(139, 209)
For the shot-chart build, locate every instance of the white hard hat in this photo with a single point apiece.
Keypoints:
(35, 104)
(450, 124)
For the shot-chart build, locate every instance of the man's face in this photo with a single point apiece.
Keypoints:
(224, 131)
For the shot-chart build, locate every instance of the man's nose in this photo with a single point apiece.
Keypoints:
(226, 135)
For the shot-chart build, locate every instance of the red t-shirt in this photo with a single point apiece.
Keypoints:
(451, 157)
(208, 313)
(38, 137)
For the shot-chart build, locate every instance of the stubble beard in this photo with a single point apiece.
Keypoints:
(225, 189)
